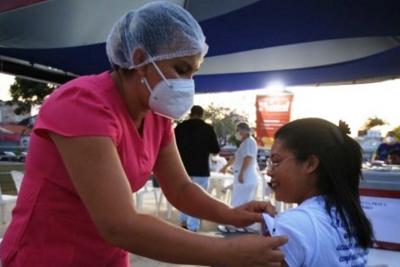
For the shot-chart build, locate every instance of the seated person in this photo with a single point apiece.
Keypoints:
(389, 143)
(216, 163)
(394, 157)
(316, 165)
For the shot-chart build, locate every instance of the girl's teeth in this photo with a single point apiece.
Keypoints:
(273, 184)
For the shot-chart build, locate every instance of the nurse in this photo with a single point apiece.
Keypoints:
(98, 138)
(244, 166)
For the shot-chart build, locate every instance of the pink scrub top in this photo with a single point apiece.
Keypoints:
(50, 225)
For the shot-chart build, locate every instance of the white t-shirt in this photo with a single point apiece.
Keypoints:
(316, 239)
(248, 147)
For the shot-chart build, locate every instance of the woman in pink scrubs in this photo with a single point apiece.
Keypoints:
(98, 138)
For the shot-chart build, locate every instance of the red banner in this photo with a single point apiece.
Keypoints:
(273, 111)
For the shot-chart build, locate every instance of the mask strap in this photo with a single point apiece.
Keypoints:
(160, 72)
(144, 80)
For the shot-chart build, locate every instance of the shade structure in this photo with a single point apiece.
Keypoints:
(251, 42)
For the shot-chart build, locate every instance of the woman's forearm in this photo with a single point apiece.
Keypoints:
(245, 165)
(194, 200)
(230, 161)
(148, 236)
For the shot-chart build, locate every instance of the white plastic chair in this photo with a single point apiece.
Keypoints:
(169, 206)
(17, 177)
(5, 200)
(10, 200)
(148, 188)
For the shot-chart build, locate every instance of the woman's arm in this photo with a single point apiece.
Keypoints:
(96, 172)
(190, 198)
(228, 164)
(245, 165)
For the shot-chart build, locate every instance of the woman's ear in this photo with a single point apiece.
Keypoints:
(138, 58)
(311, 164)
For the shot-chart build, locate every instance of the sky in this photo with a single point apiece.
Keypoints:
(352, 103)
(5, 82)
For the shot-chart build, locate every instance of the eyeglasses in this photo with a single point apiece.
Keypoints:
(271, 166)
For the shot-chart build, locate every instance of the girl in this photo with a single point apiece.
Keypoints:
(316, 165)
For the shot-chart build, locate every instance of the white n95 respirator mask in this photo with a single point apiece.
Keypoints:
(170, 98)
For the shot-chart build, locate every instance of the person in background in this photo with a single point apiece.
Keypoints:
(245, 171)
(216, 184)
(394, 157)
(98, 138)
(244, 166)
(389, 143)
(196, 141)
(317, 165)
(216, 163)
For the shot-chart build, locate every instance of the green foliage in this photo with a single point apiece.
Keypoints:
(396, 130)
(27, 93)
(372, 122)
(224, 121)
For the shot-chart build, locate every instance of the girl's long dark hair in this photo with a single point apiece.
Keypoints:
(339, 169)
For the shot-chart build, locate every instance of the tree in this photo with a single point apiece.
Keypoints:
(372, 122)
(396, 131)
(224, 121)
(27, 93)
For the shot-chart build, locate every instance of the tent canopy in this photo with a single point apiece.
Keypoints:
(251, 42)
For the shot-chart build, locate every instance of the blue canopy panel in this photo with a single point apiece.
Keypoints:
(385, 64)
(91, 59)
(82, 60)
(280, 22)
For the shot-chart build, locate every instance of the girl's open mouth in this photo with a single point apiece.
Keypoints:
(273, 184)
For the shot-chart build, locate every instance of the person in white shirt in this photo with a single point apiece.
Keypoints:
(216, 183)
(317, 165)
(216, 163)
(244, 167)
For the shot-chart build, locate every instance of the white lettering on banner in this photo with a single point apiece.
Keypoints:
(384, 216)
(275, 105)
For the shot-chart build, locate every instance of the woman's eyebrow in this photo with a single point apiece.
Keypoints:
(191, 67)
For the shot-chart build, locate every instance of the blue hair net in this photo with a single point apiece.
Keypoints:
(163, 30)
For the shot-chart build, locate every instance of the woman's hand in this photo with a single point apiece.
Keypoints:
(240, 178)
(253, 250)
(271, 210)
(223, 169)
(251, 212)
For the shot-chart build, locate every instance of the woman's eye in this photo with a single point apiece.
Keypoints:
(182, 70)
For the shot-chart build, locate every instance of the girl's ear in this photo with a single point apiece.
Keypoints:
(139, 57)
(311, 164)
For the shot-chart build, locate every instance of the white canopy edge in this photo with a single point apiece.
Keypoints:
(295, 56)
